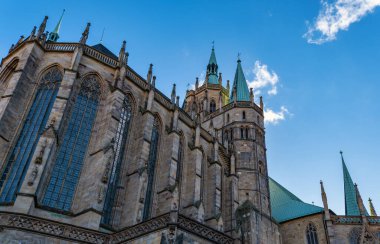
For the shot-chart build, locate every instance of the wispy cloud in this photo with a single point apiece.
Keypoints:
(264, 79)
(336, 16)
(272, 117)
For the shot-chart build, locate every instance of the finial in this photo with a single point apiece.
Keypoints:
(85, 33)
(101, 38)
(196, 83)
(177, 101)
(42, 27)
(187, 87)
(213, 44)
(149, 75)
(54, 35)
(173, 95)
(11, 48)
(122, 54)
(238, 57)
(341, 153)
(33, 33)
(154, 81)
(261, 103)
(251, 96)
(20, 40)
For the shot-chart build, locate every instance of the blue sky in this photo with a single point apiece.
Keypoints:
(320, 89)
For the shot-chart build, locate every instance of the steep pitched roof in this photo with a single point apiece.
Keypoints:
(286, 206)
(350, 201)
(240, 84)
(212, 69)
(101, 48)
(212, 57)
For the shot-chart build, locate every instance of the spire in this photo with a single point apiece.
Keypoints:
(85, 33)
(350, 199)
(324, 200)
(54, 35)
(122, 54)
(212, 68)
(149, 75)
(240, 85)
(371, 208)
(359, 200)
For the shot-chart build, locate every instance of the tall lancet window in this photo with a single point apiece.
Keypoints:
(17, 163)
(150, 169)
(72, 151)
(119, 148)
(212, 106)
(311, 234)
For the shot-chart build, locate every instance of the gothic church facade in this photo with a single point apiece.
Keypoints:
(92, 152)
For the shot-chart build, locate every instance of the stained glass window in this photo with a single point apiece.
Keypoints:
(311, 234)
(179, 159)
(119, 147)
(71, 153)
(150, 169)
(18, 161)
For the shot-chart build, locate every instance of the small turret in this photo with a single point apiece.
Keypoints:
(251, 96)
(33, 33)
(261, 103)
(122, 54)
(220, 79)
(85, 34)
(196, 83)
(324, 200)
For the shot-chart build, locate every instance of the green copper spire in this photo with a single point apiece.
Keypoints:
(350, 201)
(212, 68)
(54, 35)
(240, 87)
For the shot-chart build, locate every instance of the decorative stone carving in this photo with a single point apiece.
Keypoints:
(33, 176)
(40, 156)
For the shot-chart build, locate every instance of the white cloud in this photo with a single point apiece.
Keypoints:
(335, 16)
(272, 117)
(264, 79)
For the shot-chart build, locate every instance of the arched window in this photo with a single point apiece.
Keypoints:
(228, 118)
(232, 134)
(246, 133)
(72, 151)
(241, 133)
(311, 234)
(261, 167)
(119, 147)
(212, 106)
(243, 115)
(18, 161)
(150, 169)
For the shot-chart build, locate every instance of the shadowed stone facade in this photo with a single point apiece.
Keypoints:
(92, 152)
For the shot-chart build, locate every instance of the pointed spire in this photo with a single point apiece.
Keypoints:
(251, 96)
(173, 95)
(85, 34)
(372, 208)
(350, 195)
(54, 35)
(212, 69)
(261, 103)
(359, 200)
(177, 101)
(196, 83)
(154, 81)
(149, 75)
(42, 27)
(240, 85)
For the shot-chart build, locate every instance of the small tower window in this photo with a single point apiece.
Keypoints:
(212, 106)
(228, 118)
(246, 133)
(241, 133)
(243, 115)
(231, 134)
(311, 234)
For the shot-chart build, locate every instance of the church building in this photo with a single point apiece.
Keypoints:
(92, 152)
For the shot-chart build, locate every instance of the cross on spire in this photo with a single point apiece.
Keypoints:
(213, 44)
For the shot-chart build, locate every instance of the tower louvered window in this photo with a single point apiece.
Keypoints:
(18, 161)
(150, 169)
(119, 148)
(311, 234)
(71, 153)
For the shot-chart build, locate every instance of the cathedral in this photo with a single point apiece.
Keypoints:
(92, 152)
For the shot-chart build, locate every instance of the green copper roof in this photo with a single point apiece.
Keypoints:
(212, 57)
(286, 206)
(350, 201)
(240, 84)
(212, 69)
(54, 35)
